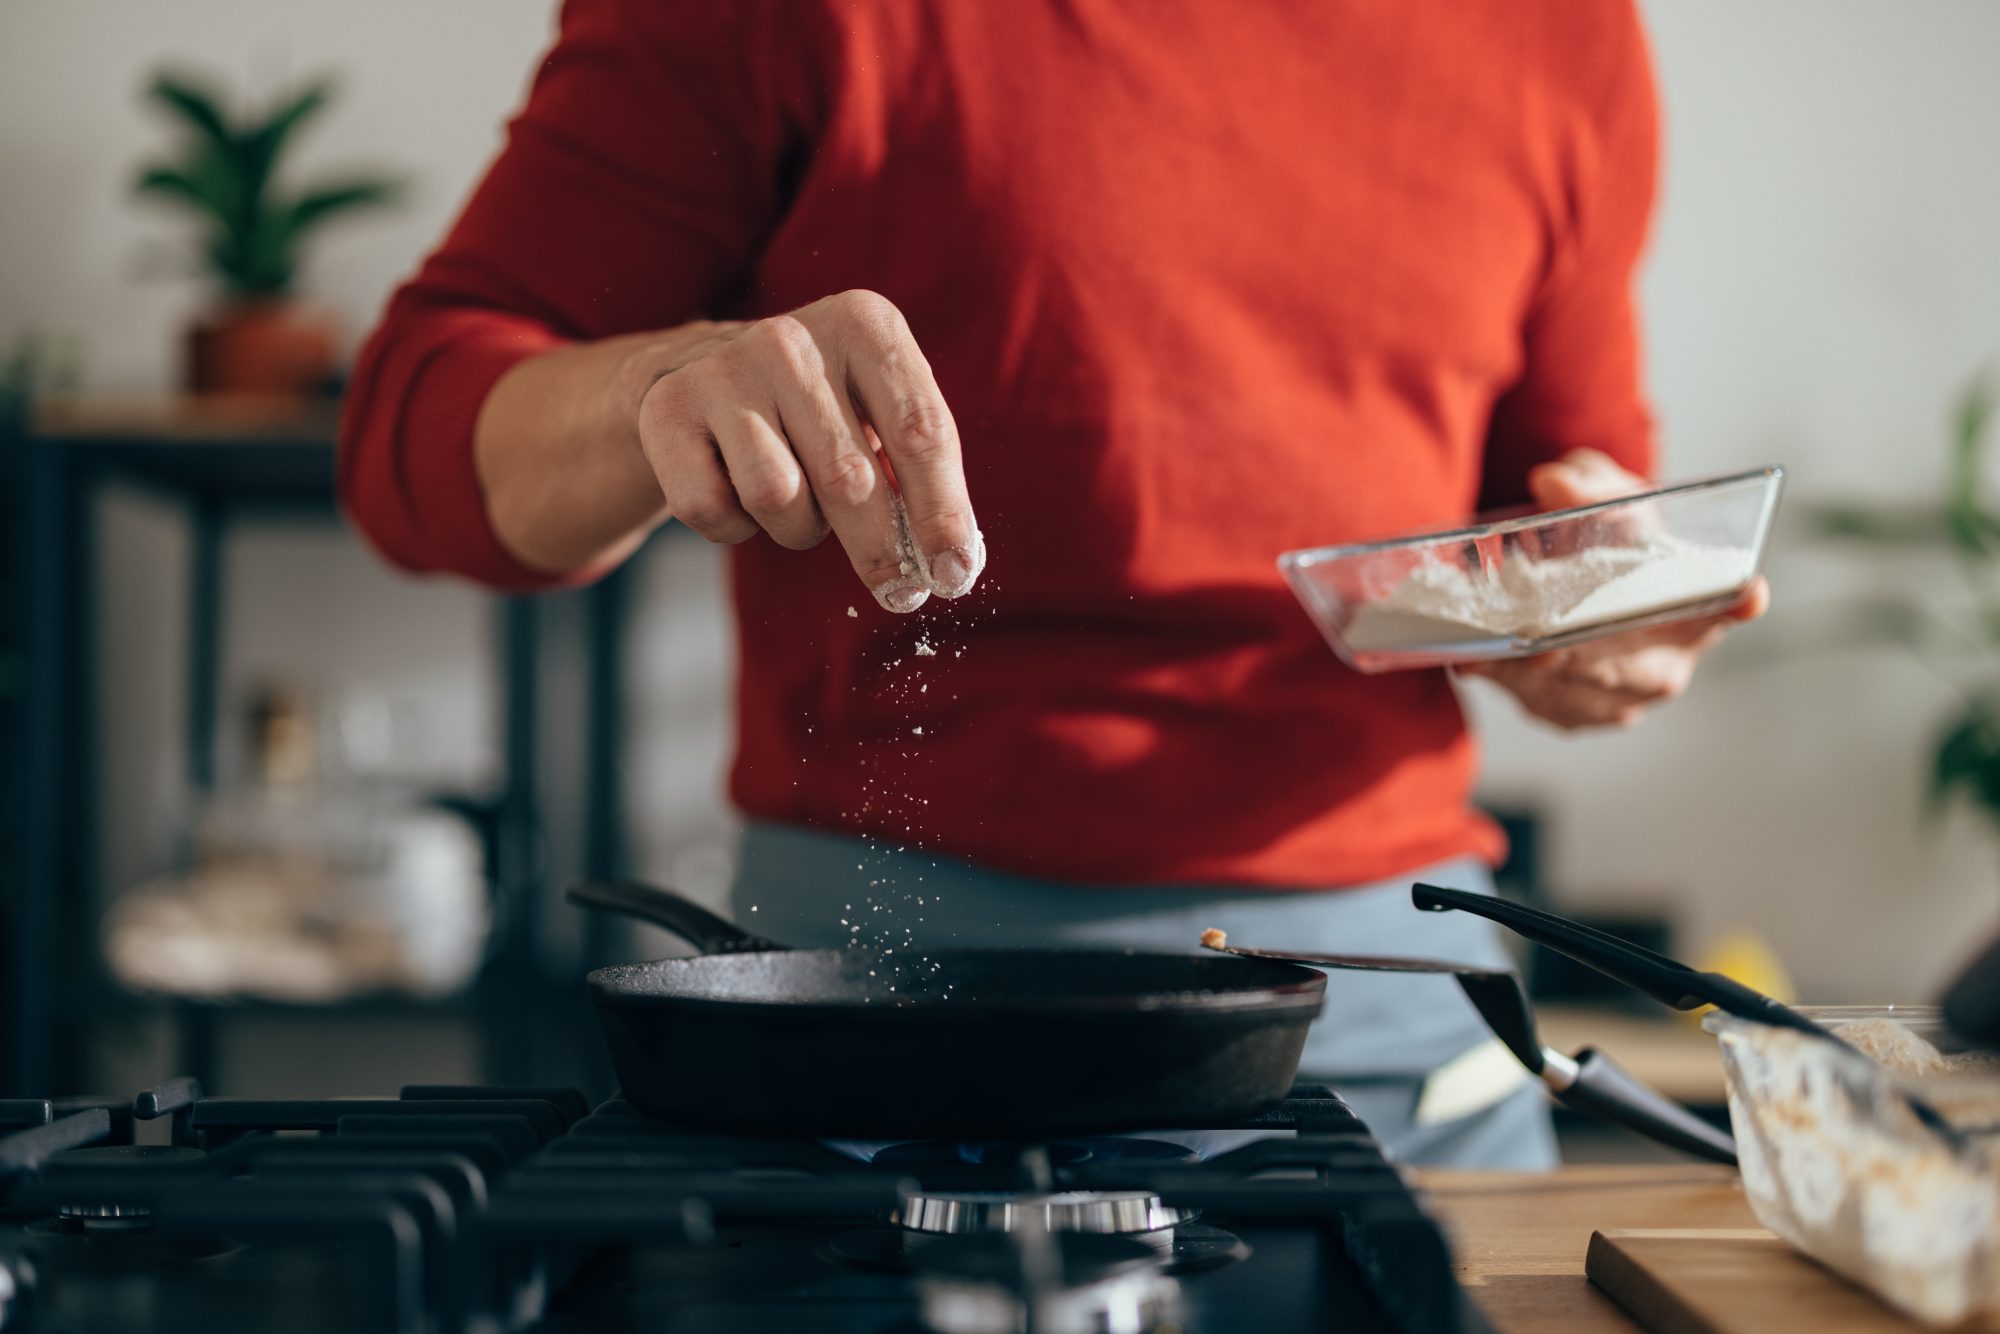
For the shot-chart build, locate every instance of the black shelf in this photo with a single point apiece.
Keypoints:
(241, 456)
(222, 461)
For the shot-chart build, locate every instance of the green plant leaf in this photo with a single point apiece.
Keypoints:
(1973, 413)
(317, 205)
(1918, 526)
(194, 103)
(227, 173)
(1971, 528)
(1817, 630)
(1966, 752)
(306, 103)
(196, 184)
(175, 183)
(268, 260)
(262, 145)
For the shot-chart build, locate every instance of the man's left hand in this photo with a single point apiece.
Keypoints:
(1610, 682)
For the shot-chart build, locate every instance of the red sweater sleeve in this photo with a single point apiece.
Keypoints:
(1580, 384)
(634, 192)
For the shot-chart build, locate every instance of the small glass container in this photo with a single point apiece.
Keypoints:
(1520, 583)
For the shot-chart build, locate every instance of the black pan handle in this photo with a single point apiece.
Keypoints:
(1606, 1089)
(1663, 979)
(663, 908)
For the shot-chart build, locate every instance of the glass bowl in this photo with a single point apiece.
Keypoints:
(1838, 1161)
(1516, 584)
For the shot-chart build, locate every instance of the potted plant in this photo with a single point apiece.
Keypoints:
(257, 338)
(1959, 642)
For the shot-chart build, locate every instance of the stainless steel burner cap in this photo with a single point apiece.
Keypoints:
(139, 1159)
(957, 1213)
(106, 1217)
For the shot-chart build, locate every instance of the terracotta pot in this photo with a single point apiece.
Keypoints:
(270, 347)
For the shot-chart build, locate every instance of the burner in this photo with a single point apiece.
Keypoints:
(112, 1234)
(113, 1216)
(1194, 1247)
(1054, 1283)
(509, 1208)
(1103, 1211)
(1061, 1153)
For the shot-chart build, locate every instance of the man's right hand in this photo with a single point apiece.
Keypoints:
(774, 426)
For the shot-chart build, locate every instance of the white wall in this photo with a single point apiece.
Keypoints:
(1824, 276)
(424, 88)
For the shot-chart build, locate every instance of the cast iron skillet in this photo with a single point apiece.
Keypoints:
(966, 1044)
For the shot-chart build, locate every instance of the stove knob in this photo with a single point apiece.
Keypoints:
(17, 1291)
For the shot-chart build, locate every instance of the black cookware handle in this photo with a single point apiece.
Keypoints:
(663, 908)
(1606, 1089)
(1663, 979)
(1503, 1004)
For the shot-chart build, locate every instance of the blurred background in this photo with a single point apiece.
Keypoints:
(217, 699)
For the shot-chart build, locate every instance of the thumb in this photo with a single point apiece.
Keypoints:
(1581, 477)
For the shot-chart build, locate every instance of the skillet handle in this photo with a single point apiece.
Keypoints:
(1605, 1088)
(663, 908)
(1663, 979)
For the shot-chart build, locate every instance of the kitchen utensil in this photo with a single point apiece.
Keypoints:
(1666, 555)
(1665, 980)
(996, 1044)
(1589, 1081)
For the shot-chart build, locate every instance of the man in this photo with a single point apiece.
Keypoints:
(1146, 292)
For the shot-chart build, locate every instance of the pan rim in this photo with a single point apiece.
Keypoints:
(1305, 992)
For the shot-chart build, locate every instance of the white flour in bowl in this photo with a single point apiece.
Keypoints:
(1440, 603)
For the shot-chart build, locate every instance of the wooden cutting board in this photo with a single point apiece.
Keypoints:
(1730, 1281)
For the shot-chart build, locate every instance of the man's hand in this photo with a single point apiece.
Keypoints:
(776, 426)
(1609, 683)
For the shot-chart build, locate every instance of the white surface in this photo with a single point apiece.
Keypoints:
(1824, 277)
(1444, 603)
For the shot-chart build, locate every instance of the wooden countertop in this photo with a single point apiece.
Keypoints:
(1520, 1238)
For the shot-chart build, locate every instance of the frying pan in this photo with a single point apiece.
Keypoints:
(1589, 1081)
(752, 1036)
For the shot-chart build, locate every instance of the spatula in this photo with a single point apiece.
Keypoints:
(1666, 980)
(1588, 1081)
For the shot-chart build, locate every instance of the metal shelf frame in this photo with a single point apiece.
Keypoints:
(219, 467)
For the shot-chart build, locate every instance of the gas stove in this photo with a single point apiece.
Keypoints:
(480, 1210)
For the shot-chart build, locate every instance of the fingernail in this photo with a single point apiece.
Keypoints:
(901, 595)
(951, 572)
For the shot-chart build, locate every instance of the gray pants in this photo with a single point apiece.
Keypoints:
(1380, 1036)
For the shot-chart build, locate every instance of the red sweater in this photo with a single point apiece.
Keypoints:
(1201, 282)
